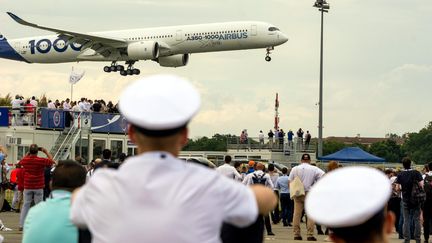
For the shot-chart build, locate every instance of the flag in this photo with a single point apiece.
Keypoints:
(75, 77)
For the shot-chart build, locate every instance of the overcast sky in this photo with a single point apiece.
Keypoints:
(377, 62)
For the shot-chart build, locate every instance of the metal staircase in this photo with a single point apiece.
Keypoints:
(63, 145)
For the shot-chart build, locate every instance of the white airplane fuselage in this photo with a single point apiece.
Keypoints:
(172, 40)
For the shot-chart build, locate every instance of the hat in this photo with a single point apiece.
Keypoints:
(159, 105)
(305, 157)
(251, 163)
(348, 197)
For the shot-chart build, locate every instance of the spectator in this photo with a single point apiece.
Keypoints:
(307, 139)
(33, 178)
(270, 135)
(34, 102)
(51, 105)
(261, 138)
(260, 177)
(281, 138)
(16, 110)
(3, 177)
(285, 200)
(300, 139)
(15, 180)
(411, 211)
(122, 157)
(427, 207)
(96, 107)
(145, 179)
(308, 175)
(49, 221)
(274, 175)
(290, 136)
(227, 170)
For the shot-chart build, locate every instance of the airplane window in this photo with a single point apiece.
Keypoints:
(273, 29)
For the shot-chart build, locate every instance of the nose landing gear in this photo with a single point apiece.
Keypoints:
(268, 58)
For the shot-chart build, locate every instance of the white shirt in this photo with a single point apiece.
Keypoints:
(16, 103)
(34, 103)
(229, 171)
(51, 105)
(261, 136)
(307, 173)
(66, 106)
(168, 200)
(249, 181)
(82, 106)
(274, 176)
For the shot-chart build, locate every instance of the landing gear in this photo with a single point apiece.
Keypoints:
(113, 68)
(268, 58)
(130, 69)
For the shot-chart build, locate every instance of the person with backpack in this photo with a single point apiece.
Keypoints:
(427, 207)
(260, 177)
(411, 182)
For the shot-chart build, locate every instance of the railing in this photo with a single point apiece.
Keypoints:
(280, 145)
(67, 141)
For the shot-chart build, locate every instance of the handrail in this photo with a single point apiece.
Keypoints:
(74, 128)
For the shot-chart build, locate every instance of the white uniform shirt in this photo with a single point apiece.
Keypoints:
(16, 103)
(307, 173)
(66, 106)
(249, 181)
(51, 105)
(155, 197)
(229, 171)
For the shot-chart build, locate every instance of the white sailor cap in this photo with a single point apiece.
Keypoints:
(348, 197)
(159, 105)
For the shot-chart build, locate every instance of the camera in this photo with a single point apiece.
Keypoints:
(40, 148)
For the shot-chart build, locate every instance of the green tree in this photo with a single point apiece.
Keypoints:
(217, 142)
(388, 149)
(330, 147)
(418, 146)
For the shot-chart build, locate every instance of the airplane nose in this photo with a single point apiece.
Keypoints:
(282, 38)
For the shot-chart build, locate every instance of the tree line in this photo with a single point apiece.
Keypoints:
(417, 145)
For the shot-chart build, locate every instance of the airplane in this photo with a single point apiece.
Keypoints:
(169, 46)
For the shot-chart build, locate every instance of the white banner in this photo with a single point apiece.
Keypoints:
(75, 77)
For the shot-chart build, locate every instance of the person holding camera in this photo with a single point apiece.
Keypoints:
(34, 183)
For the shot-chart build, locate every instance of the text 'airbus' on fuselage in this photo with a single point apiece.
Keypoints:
(169, 46)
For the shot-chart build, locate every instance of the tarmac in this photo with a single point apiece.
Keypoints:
(282, 234)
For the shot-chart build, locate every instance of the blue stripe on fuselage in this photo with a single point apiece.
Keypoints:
(6, 51)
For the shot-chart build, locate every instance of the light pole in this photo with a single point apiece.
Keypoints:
(322, 6)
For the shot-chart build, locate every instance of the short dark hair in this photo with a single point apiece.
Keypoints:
(406, 162)
(237, 164)
(284, 170)
(68, 175)
(365, 232)
(227, 159)
(34, 149)
(122, 157)
(271, 167)
(106, 154)
(305, 157)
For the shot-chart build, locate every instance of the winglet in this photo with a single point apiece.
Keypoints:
(19, 20)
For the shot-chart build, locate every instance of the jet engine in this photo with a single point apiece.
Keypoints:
(143, 50)
(174, 61)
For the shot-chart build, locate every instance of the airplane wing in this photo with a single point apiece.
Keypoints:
(100, 44)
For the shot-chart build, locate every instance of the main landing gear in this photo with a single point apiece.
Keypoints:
(268, 58)
(130, 70)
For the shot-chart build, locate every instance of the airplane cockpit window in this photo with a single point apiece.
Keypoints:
(273, 29)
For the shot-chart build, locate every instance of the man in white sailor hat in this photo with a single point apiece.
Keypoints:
(355, 211)
(168, 200)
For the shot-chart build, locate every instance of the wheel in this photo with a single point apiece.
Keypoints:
(107, 69)
(120, 68)
(129, 72)
(113, 69)
(136, 71)
(268, 58)
(123, 73)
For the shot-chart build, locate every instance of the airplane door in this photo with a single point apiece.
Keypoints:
(254, 30)
(179, 35)
(18, 48)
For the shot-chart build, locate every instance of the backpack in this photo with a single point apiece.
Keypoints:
(418, 194)
(428, 187)
(259, 179)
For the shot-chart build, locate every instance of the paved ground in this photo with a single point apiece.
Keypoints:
(283, 234)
